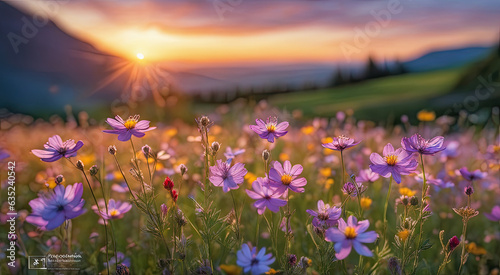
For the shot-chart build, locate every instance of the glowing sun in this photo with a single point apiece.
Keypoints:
(140, 56)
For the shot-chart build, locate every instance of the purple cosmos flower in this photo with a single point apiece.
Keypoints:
(230, 155)
(120, 188)
(251, 261)
(270, 129)
(3, 154)
(341, 143)
(116, 209)
(126, 128)
(367, 175)
(418, 144)
(451, 151)
(64, 203)
(351, 234)
(55, 149)
(286, 177)
(222, 174)
(471, 176)
(265, 196)
(395, 163)
(326, 216)
(121, 260)
(495, 214)
(350, 189)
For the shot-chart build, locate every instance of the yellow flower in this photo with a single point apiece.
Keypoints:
(272, 271)
(250, 177)
(230, 269)
(325, 172)
(366, 203)
(474, 249)
(307, 130)
(284, 156)
(406, 192)
(425, 115)
(328, 183)
(403, 235)
(51, 183)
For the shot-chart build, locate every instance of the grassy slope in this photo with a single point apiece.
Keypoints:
(400, 93)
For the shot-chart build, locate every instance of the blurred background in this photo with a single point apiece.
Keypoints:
(377, 59)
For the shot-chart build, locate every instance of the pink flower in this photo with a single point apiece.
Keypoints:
(227, 176)
(265, 196)
(270, 129)
(55, 149)
(126, 128)
(326, 216)
(287, 177)
(341, 143)
(395, 163)
(351, 234)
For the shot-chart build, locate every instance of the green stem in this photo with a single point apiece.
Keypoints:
(385, 207)
(237, 219)
(124, 178)
(464, 234)
(420, 219)
(137, 166)
(443, 264)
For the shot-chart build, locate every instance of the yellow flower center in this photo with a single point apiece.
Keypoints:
(350, 232)
(366, 203)
(113, 212)
(403, 235)
(286, 179)
(271, 127)
(130, 123)
(391, 160)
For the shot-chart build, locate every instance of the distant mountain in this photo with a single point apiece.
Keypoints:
(446, 59)
(42, 68)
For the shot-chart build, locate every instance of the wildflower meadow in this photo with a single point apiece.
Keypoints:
(253, 192)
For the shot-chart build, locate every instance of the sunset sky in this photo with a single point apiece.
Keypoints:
(200, 31)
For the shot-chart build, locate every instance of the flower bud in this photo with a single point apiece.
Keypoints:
(349, 188)
(215, 147)
(394, 266)
(146, 150)
(292, 259)
(414, 201)
(204, 121)
(183, 169)
(453, 243)
(112, 150)
(168, 184)
(174, 195)
(266, 155)
(122, 269)
(59, 179)
(93, 170)
(164, 209)
(79, 165)
(404, 200)
(469, 190)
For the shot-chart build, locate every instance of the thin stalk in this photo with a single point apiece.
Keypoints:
(113, 239)
(385, 207)
(420, 219)
(99, 210)
(462, 256)
(237, 219)
(137, 166)
(124, 178)
(443, 264)
(68, 235)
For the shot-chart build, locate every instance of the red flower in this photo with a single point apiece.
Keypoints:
(453, 243)
(174, 195)
(168, 184)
